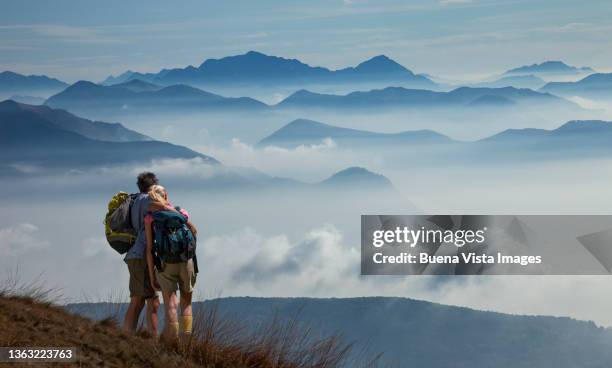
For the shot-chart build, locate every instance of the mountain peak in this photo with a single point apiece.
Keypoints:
(380, 59)
(379, 64)
(8, 73)
(83, 84)
(358, 176)
(9, 105)
(302, 93)
(304, 123)
(255, 53)
(255, 65)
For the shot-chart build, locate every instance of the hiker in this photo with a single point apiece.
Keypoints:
(174, 260)
(141, 291)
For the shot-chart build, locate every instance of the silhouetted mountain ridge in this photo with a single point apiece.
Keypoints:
(415, 98)
(517, 81)
(597, 85)
(13, 83)
(138, 96)
(35, 136)
(256, 67)
(549, 67)
(98, 130)
(574, 139)
(309, 132)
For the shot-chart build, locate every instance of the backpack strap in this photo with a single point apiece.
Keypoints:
(131, 198)
(195, 264)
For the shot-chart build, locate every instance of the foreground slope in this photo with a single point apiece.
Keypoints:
(414, 333)
(215, 342)
(28, 323)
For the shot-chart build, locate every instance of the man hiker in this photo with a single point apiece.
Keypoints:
(141, 291)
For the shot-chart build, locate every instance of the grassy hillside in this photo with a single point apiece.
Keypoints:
(26, 322)
(216, 342)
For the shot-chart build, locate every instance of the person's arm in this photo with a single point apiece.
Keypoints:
(149, 255)
(192, 227)
(190, 224)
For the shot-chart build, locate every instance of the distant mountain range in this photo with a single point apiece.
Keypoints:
(257, 68)
(30, 100)
(594, 86)
(98, 130)
(139, 96)
(47, 138)
(308, 132)
(549, 67)
(346, 180)
(412, 333)
(413, 98)
(577, 135)
(578, 138)
(35, 85)
(136, 96)
(517, 81)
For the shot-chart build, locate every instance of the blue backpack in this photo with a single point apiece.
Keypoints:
(174, 241)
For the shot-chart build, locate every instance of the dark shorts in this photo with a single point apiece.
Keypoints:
(139, 279)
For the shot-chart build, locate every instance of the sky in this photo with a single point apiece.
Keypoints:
(460, 39)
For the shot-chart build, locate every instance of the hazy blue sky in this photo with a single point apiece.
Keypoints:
(89, 40)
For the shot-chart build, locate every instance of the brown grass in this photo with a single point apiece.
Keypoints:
(217, 342)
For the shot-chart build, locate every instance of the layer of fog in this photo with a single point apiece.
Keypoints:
(275, 243)
(461, 123)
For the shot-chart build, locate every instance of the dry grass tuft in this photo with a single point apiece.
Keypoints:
(30, 318)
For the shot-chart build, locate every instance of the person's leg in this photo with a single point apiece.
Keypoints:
(186, 313)
(171, 304)
(152, 309)
(187, 281)
(130, 322)
(137, 295)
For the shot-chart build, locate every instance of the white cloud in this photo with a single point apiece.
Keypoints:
(97, 247)
(195, 167)
(246, 260)
(306, 162)
(20, 239)
(25, 168)
(322, 263)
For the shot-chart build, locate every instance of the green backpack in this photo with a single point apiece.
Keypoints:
(120, 233)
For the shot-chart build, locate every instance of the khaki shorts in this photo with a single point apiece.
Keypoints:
(177, 276)
(139, 279)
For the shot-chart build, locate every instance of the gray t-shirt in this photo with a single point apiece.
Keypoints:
(140, 207)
